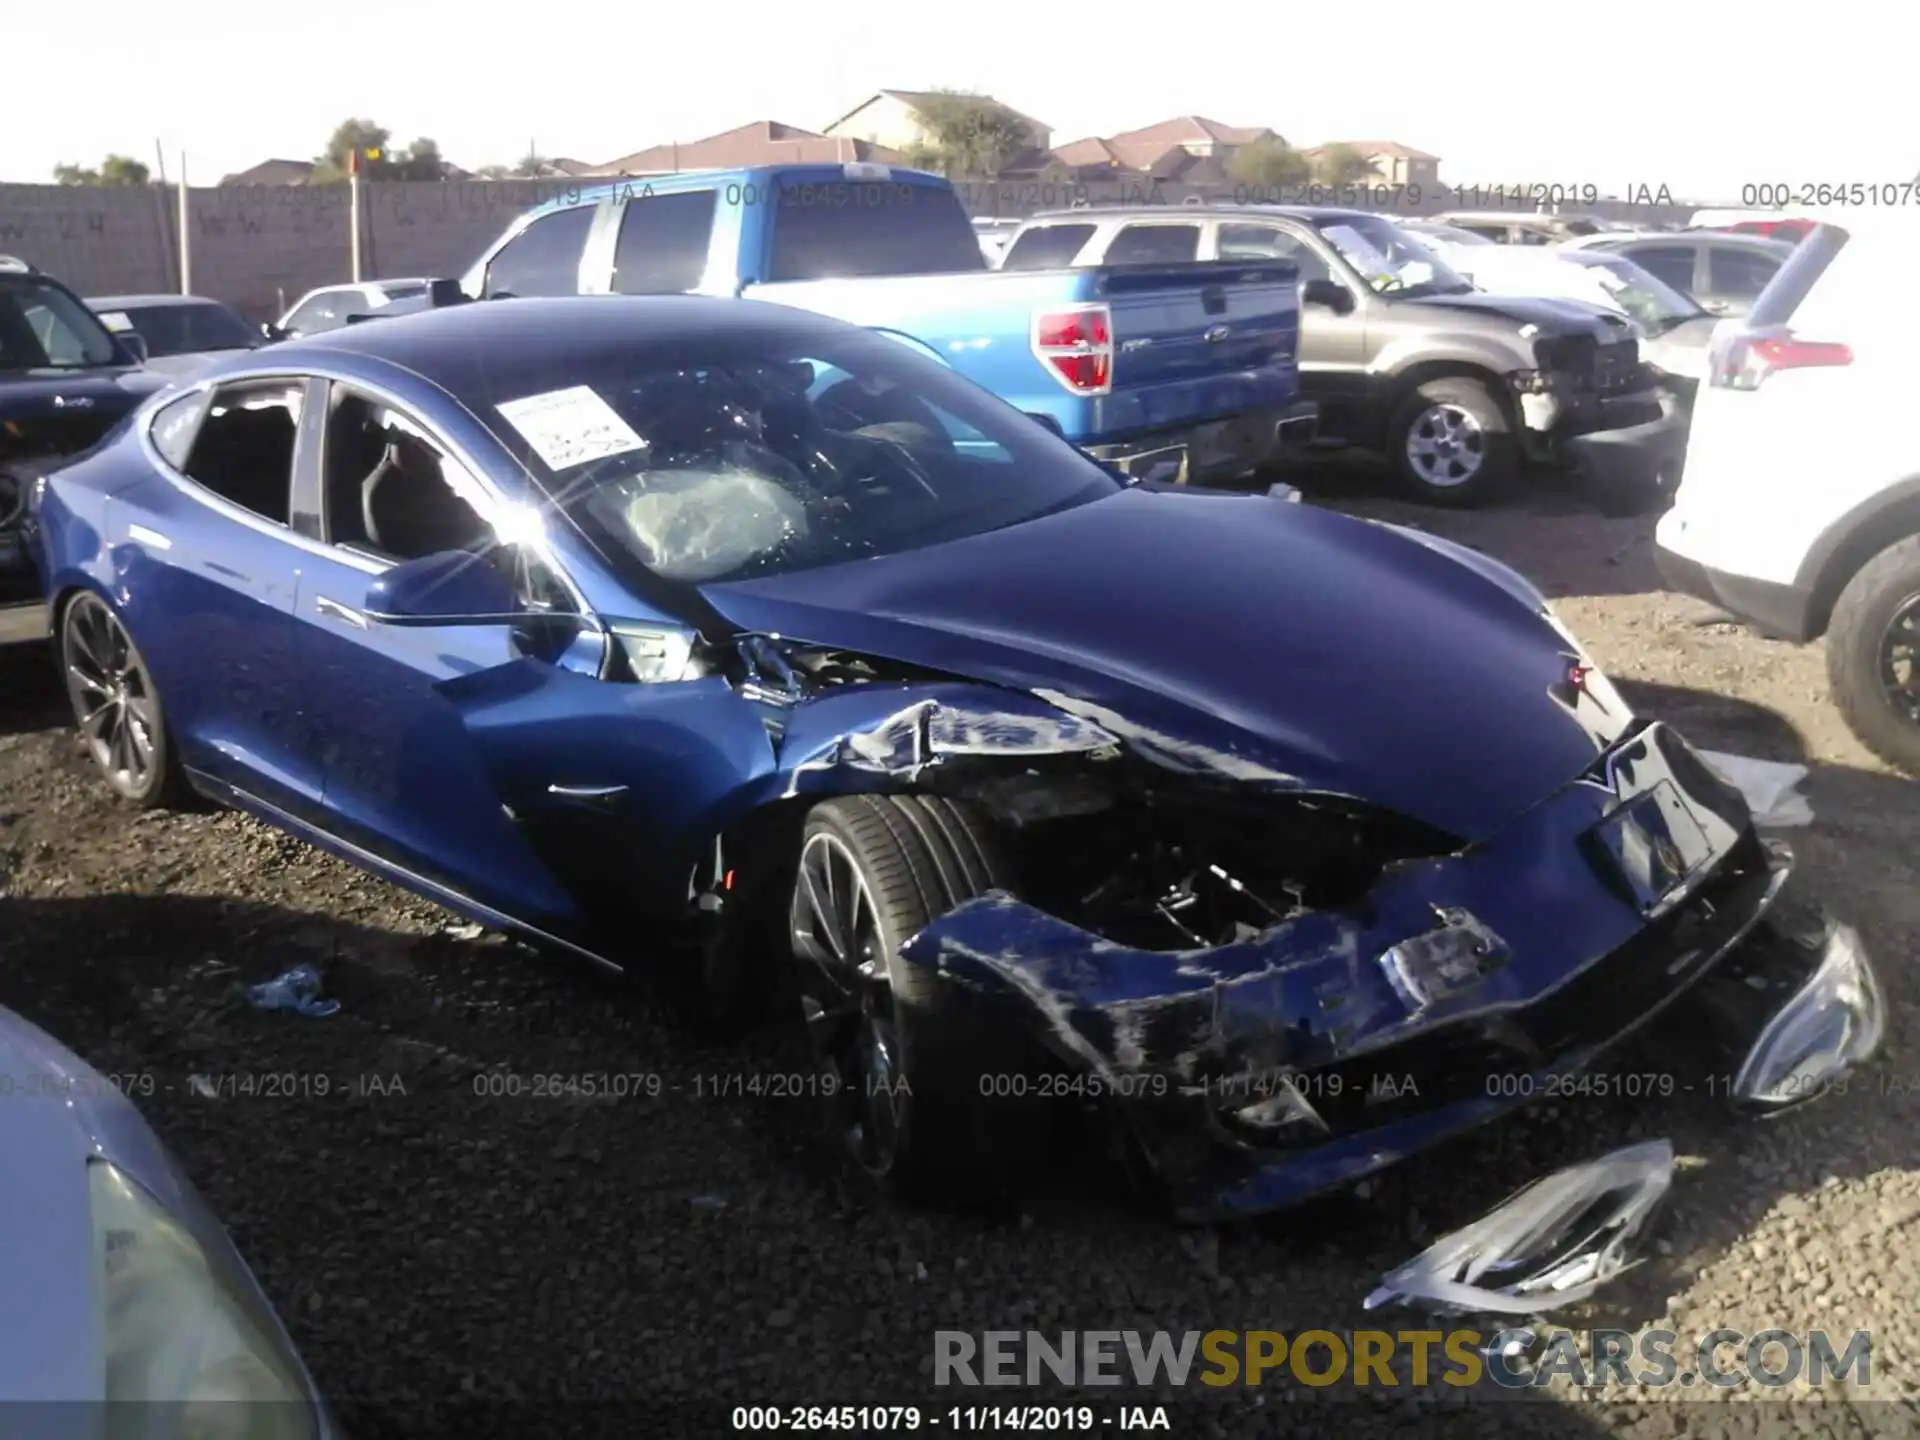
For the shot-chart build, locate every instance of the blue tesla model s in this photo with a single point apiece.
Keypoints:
(723, 637)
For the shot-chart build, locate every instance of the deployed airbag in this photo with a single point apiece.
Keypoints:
(696, 524)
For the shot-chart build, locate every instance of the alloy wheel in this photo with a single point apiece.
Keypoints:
(1900, 660)
(112, 695)
(1446, 446)
(846, 998)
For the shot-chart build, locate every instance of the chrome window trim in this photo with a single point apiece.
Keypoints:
(496, 502)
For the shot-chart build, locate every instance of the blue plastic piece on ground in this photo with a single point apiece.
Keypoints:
(298, 989)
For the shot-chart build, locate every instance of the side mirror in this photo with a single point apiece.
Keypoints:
(454, 587)
(441, 293)
(271, 332)
(1328, 294)
(136, 344)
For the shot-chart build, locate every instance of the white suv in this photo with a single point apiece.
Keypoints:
(1799, 503)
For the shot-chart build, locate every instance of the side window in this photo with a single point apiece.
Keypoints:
(1496, 233)
(1738, 274)
(1266, 242)
(662, 249)
(173, 427)
(322, 312)
(1047, 247)
(544, 258)
(243, 451)
(1154, 245)
(1527, 235)
(1671, 263)
(389, 491)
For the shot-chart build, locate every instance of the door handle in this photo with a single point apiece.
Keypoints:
(605, 798)
(334, 608)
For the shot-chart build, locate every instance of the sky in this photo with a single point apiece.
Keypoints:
(1700, 98)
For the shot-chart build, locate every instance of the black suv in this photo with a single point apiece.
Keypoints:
(1456, 387)
(65, 380)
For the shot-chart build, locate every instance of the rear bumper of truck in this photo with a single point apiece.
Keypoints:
(1217, 450)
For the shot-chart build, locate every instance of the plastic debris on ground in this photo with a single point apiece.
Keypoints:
(298, 990)
(1769, 786)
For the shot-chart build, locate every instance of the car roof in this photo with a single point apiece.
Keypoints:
(746, 180)
(146, 302)
(458, 346)
(1094, 214)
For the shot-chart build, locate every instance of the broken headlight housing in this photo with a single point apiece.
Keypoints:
(181, 1334)
(1832, 1024)
(1554, 1243)
(655, 655)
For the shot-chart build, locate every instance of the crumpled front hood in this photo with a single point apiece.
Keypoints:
(1237, 635)
(1554, 317)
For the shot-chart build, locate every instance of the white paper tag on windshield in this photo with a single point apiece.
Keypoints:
(570, 427)
(116, 321)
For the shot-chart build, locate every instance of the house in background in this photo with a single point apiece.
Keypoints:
(764, 142)
(272, 172)
(892, 119)
(1394, 163)
(1187, 150)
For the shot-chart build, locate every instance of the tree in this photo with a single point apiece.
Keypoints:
(1339, 164)
(348, 136)
(1268, 164)
(422, 161)
(965, 135)
(114, 170)
(530, 166)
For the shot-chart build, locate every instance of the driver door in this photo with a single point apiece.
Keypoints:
(1333, 349)
(401, 775)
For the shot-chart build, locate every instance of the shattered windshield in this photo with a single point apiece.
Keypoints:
(42, 327)
(1652, 303)
(744, 462)
(1392, 261)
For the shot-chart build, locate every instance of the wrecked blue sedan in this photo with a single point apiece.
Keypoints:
(720, 637)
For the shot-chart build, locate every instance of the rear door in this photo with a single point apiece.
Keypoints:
(210, 570)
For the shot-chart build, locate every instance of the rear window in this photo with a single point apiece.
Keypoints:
(841, 229)
(662, 249)
(1047, 247)
(1794, 279)
(1154, 245)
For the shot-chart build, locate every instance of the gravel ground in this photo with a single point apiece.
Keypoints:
(640, 1265)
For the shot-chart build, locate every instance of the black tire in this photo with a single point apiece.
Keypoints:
(918, 856)
(1488, 454)
(1883, 595)
(116, 708)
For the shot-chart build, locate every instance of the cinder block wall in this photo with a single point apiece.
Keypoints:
(252, 244)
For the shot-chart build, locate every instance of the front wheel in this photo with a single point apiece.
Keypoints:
(1450, 443)
(1873, 655)
(902, 1062)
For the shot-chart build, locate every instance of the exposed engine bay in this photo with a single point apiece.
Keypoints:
(1110, 841)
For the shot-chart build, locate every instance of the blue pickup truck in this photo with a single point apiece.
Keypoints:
(1163, 371)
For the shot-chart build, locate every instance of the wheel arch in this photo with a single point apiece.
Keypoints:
(1844, 548)
(1403, 382)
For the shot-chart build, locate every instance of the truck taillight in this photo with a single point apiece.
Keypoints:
(1747, 357)
(1077, 345)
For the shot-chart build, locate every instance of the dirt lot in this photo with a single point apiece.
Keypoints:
(650, 1262)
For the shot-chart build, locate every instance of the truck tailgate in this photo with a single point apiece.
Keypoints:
(1173, 322)
(1197, 342)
